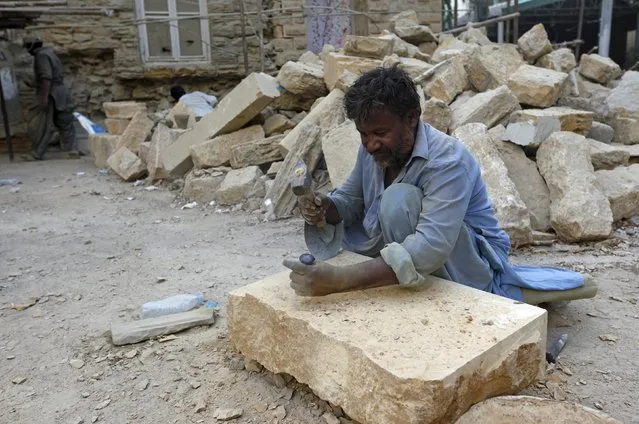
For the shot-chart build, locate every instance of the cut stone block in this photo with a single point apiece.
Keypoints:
(143, 150)
(329, 107)
(560, 60)
(415, 34)
(201, 184)
(437, 113)
(162, 138)
(336, 64)
(626, 130)
(491, 65)
(217, 151)
(604, 156)
(290, 101)
(136, 132)
(413, 67)
(601, 132)
(126, 164)
(404, 49)
(371, 47)
(510, 209)
(537, 86)
(534, 43)
(277, 123)
(340, 146)
(311, 58)
(488, 108)
(579, 211)
(531, 132)
(257, 152)
(577, 121)
(237, 108)
(122, 110)
(304, 80)
(450, 47)
(101, 147)
(529, 183)
(474, 36)
(405, 18)
(345, 347)
(239, 185)
(116, 126)
(622, 111)
(621, 187)
(448, 80)
(598, 68)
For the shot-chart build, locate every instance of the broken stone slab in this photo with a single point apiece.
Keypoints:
(335, 64)
(626, 130)
(290, 101)
(237, 108)
(301, 79)
(239, 185)
(474, 36)
(404, 49)
(621, 187)
(116, 126)
(601, 132)
(181, 116)
(298, 118)
(136, 132)
(311, 58)
(201, 184)
(450, 47)
(345, 347)
(143, 150)
(162, 138)
(340, 146)
(413, 67)
(277, 123)
(437, 113)
(598, 68)
(491, 65)
(101, 147)
(605, 156)
(510, 209)
(126, 164)
(534, 43)
(371, 47)
(428, 48)
(257, 152)
(330, 111)
(579, 211)
(577, 121)
(621, 110)
(415, 34)
(633, 151)
(560, 60)
(589, 89)
(405, 18)
(122, 110)
(536, 86)
(448, 80)
(529, 183)
(489, 108)
(530, 132)
(529, 409)
(274, 169)
(346, 80)
(217, 151)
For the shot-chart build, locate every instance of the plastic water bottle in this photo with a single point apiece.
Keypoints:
(171, 305)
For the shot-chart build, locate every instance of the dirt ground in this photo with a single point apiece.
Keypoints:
(92, 249)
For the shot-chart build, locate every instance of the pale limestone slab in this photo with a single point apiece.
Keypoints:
(392, 355)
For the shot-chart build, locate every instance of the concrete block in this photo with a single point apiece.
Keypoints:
(237, 108)
(392, 355)
(301, 79)
(136, 132)
(122, 110)
(239, 185)
(371, 47)
(534, 43)
(101, 147)
(256, 152)
(621, 187)
(340, 146)
(335, 64)
(217, 151)
(598, 68)
(116, 126)
(537, 86)
(126, 164)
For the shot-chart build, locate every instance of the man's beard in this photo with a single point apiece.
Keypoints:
(396, 158)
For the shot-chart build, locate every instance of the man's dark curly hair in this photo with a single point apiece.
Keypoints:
(390, 88)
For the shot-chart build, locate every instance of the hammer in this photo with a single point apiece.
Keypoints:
(301, 185)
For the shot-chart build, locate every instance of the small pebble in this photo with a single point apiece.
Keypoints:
(599, 406)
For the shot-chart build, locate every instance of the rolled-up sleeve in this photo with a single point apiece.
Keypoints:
(349, 198)
(444, 205)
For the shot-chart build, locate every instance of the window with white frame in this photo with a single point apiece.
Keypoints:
(173, 30)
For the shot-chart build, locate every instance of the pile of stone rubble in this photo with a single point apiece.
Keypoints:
(557, 140)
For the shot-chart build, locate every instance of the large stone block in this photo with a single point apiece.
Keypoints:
(240, 185)
(413, 67)
(577, 121)
(335, 64)
(126, 164)
(301, 79)
(598, 68)
(101, 147)
(449, 79)
(277, 123)
(217, 151)
(450, 47)
(491, 65)
(403, 49)
(340, 146)
(534, 43)
(579, 211)
(162, 138)
(530, 132)
(489, 108)
(415, 34)
(371, 47)
(405, 18)
(510, 209)
(621, 110)
(290, 101)
(536, 86)
(560, 60)
(621, 187)
(475, 36)
(200, 185)
(605, 156)
(392, 355)
(116, 126)
(122, 110)
(237, 108)
(136, 132)
(437, 113)
(256, 152)
(601, 132)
